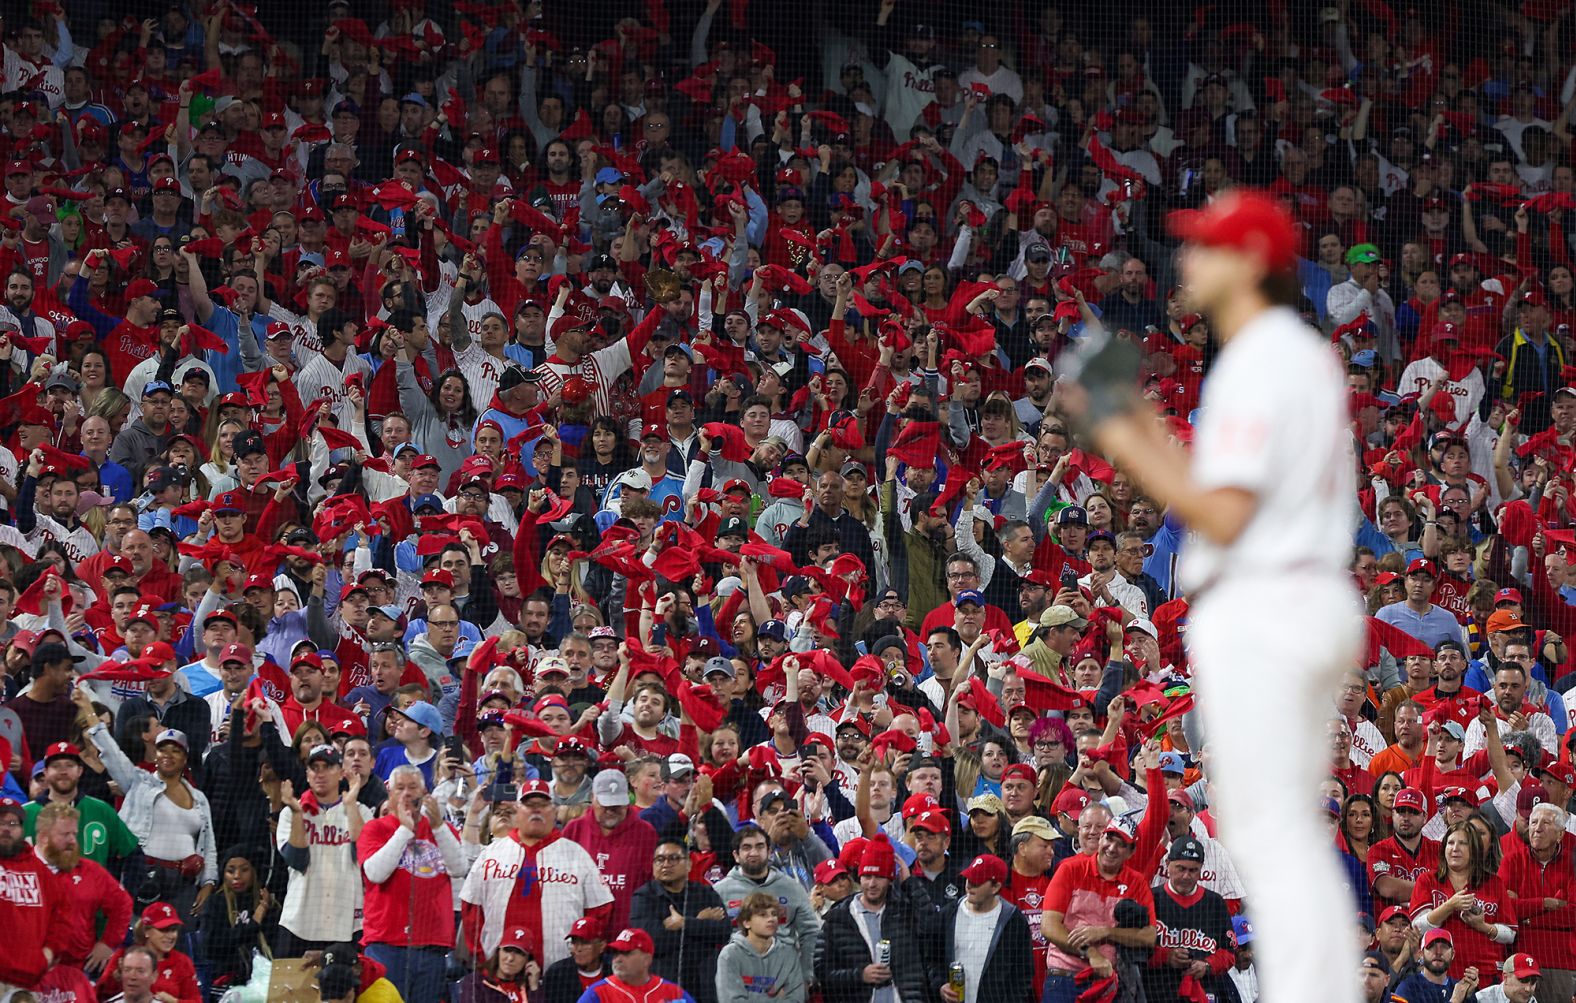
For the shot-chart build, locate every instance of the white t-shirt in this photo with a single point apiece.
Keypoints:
(972, 934)
(1274, 422)
(1004, 81)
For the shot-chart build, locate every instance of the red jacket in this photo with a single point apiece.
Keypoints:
(175, 975)
(1549, 935)
(32, 916)
(88, 892)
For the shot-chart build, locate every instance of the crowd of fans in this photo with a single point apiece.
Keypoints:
(509, 503)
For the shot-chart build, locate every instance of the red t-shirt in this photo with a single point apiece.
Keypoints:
(1084, 897)
(1028, 894)
(1473, 949)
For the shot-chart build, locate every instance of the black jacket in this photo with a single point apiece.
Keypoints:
(842, 954)
(1009, 966)
(688, 955)
(561, 981)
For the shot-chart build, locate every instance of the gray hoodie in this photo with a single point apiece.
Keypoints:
(802, 927)
(743, 976)
(436, 668)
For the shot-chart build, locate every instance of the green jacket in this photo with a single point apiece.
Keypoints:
(100, 832)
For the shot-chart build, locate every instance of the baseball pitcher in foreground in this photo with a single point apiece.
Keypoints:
(1267, 492)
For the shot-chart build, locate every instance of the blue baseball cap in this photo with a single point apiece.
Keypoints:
(1366, 359)
(1172, 762)
(426, 501)
(774, 629)
(462, 649)
(609, 176)
(424, 714)
(155, 386)
(969, 595)
(1243, 928)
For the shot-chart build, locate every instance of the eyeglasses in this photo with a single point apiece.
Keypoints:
(958, 576)
(474, 495)
(669, 858)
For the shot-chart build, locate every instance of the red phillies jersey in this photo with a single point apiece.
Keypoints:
(1389, 859)
(615, 990)
(1473, 949)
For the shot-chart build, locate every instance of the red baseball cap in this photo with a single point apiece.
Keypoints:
(632, 940)
(161, 916)
(424, 460)
(62, 750)
(584, 928)
(1507, 595)
(1457, 793)
(439, 576)
(535, 788)
(1523, 966)
(158, 653)
(1071, 801)
(516, 937)
(1565, 773)
(985, 867)
(1021, 770)
(918, 804)
(1393, 912)
(828, 871)
(310, 658)
(931, 820)
(1243, 220)
(1422, 566)
(140, 288)
(1410, 798)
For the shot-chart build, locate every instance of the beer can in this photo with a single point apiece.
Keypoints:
(884, 952)
(956, 978)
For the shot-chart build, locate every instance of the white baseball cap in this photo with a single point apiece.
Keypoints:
(636, 478)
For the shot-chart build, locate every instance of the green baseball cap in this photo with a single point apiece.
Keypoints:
(1362, 254)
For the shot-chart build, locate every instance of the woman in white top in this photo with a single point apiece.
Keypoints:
(169, 817)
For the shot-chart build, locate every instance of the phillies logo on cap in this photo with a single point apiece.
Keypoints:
(585, 928)
(534, 788)
(1411, 798)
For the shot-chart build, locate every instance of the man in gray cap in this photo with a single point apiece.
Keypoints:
(621, 842)
(678, 782)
